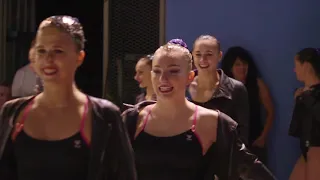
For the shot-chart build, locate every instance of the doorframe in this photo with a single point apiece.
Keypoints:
(162, 22)
(106, 9)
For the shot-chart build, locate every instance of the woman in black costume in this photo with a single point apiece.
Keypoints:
(238, 63)
(213, 89)
(143, 77)
(62, 133)
(305, 123)
(174, 138)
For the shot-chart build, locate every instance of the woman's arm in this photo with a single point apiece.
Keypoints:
(7, 159)
(123, 167)
(234, 160)
(242, 111)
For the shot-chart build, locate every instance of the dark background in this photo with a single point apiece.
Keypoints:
(90, 14)
(133, 31)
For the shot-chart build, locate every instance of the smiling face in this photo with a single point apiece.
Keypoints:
(143, 73)
(240, 70)
(171, 72)
(206, 54)
(56, 56)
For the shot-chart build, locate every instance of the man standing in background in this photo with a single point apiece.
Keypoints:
(25, 80)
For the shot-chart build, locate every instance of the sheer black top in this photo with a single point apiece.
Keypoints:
(305, 123)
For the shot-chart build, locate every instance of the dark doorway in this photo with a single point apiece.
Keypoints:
(90, 14)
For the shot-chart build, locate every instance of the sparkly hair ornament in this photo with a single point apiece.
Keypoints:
(150, 57)
(179, 42)
(68, 24)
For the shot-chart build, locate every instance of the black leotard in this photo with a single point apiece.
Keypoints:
(36, 159)
(169, 158)
(305, 123)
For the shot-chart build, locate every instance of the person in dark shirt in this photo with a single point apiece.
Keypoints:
(62, 133)
(305, 123)
(143, 77)
(238, 63)
(213, 89)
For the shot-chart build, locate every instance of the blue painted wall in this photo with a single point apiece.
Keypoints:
(273, 31)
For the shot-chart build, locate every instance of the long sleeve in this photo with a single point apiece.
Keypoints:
(248, 164)
(121, 153)
(231, 158)
(242, 112)
(7, 160)
(8, 164)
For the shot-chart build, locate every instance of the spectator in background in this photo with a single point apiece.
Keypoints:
(25, 79)
(239, 64)
(143, 77)
(5, 93)
(213, 89)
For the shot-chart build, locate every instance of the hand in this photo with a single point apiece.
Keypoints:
(259, 142)
(298, 92)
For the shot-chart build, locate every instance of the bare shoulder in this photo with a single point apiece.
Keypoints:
(143, 113)
(207, 126)
(205, 113)
(208, 119)
(193, 87)
(261, 83)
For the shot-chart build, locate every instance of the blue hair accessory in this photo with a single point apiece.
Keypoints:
(179, 42)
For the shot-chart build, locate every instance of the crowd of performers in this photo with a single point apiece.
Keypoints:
(201, 124)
